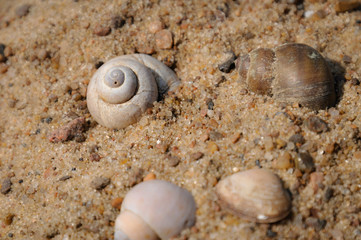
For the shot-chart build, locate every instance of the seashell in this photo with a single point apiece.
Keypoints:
(256, 195)
(291, 73)
(153, 210)
(124, 87)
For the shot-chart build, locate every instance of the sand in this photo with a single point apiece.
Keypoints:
(210, 128)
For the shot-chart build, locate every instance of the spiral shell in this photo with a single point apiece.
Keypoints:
(124, 87)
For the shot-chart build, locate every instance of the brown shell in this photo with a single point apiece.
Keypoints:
(292, 72)
(256, 195)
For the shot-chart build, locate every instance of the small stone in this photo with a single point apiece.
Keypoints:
(68, 131)
(268, 143)
(117, 202)
(9, 218)
(3, 68)
(212, 147)
(210, 103)
(284, 161)
(51, 233)
(149, 176)
(196, 156)
(94, 157)
(117, 22)
(328, 194)
(23, 10)
(6, 186)
(235, 137)
(316, 223)
(12, 103)
(316, 179)
(330, 148)
(102, 31)
(227, 65)
(164, 39)
(214, 135)
(100, 183)
(64, 178)
(2, 53)
(297, 139)
(355, 82)
(316, 124)
(172, 160)
(347, 59)
(204, 137)
(304, 162)
(155, 26)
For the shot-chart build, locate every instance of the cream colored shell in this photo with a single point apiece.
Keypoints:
(153, 210)
(124, 87)
(256, 195)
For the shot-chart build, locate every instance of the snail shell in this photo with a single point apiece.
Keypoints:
(124, 87)
(291, 72)
(256, 195)
(153, 210)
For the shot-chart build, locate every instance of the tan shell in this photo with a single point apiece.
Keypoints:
(153, 210)
(256, 195)
(292, 72)
(124, 87)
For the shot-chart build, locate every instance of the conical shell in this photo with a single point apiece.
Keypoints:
(256, 195)
(165, 207)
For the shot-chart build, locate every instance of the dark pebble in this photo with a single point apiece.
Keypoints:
(100, 183)
(316, 223)
(23, 10)
(64, 178)
(196, 156)
(229, 64)
(10, 235)
(2, 54)
(102, 31)
(316, 124)
(347, 59)
(210, 103)
(9, 219)
(117, 22)
(220, 80)
(271, 233)
(6, 186)
(52, 233)
(328, 194)
(214, 135)
(297, 139)
(304, 162)
(355, 82)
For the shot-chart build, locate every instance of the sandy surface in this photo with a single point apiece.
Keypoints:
(55, 51)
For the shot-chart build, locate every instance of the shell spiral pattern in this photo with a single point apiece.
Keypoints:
(124, 87)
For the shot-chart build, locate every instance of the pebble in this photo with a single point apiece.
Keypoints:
(235, 137)
(2, 53)
(149, 176)
(196, 156)
(94, 157)
(42, 54)
(6, 186)
(155, 26)
(100, 183)
(9, 218)
(102, 30)
(316, 179)
(164, 39)
(117, 22)
(117, 202)
(212, 147)
(74, 129)
(23, 10)
(304, 162)
(328, 194)
(227, 65)
(316, 124)
(172, 160)
(3, 68)
(284, 161)
(316, 223)
(214, 135)
(297, 139)
(64, 178)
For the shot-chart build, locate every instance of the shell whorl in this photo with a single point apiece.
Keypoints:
(124, 87)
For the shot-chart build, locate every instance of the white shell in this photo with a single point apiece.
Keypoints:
(155, 209)
(256, 195)
(124, 87)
